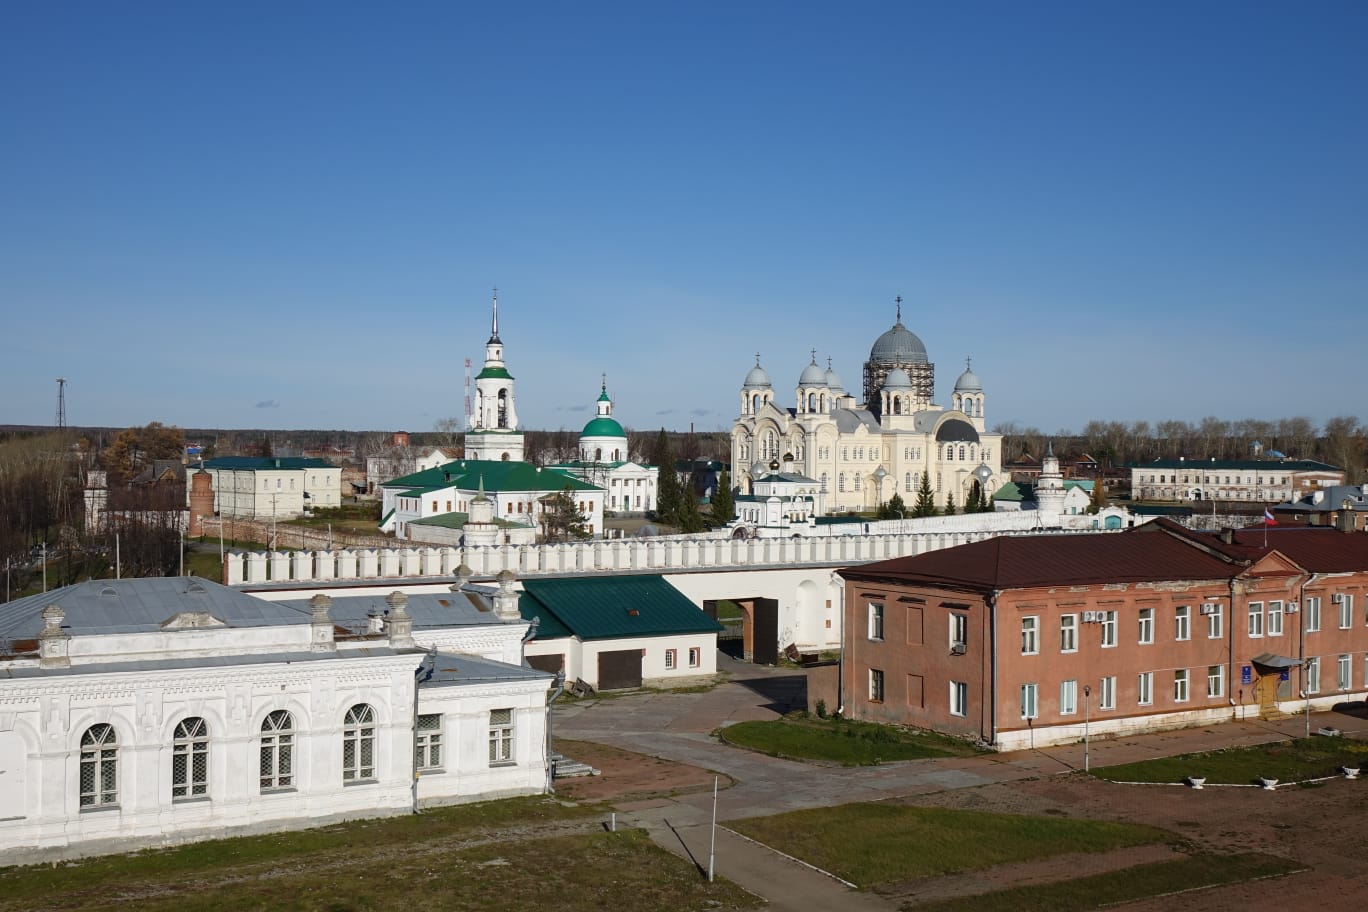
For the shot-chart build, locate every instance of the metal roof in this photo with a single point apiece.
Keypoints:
(599, 608)
(467, 608)
(450, 669)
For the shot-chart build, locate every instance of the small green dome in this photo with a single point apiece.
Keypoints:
(603, 427)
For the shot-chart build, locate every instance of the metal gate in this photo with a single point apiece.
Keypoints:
(765, 632)
(619, 670)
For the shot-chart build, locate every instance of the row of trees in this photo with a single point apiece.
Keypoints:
(925, 504)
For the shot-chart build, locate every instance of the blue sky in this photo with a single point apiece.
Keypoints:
(292, 215)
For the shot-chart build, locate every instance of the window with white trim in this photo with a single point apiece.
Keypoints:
(99, 767)
(1344, 674)
(1215, 681)
(1182, 622)
(1180, 685)
(1068, 633)
(876, 620)
(500, 736)
(959, 698)
(1146, 619)
(1144, 688)
(1030, 635)
(695, 656)
(276, 761)
(876, 685)
(671, 659)
(1313, 675)
(1346, 610)
(1029, 702)
(1312, 613)
(358, 744)
(427, 742)
(959, 629)
(1108, 629)
(1216, 621)
(1106, 693)
(190, 759)
(1256, 619)
(1068, 698)
(1275, 618)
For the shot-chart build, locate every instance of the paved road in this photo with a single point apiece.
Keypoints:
(678, 726)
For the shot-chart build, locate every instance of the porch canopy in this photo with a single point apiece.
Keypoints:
(1270, 660)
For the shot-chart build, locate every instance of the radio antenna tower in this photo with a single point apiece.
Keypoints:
(61, 403)
(467, 393)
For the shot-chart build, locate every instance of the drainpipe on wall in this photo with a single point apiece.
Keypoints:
(1230, 640)
(991, 702)
(1301, 635)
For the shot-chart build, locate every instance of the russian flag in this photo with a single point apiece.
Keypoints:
(1268, 519)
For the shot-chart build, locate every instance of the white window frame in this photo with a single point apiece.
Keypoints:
(1182, 622)
(275, 769)
(1274, 616)
(1215, 681)
(99, 768)
(1108, 629)
(671, 659)
(358, 744)
(1106, 693)
(1216, 622)
(1346, 611)
(1256, 620)
(1144, 688)
(1068, 633)
(1030, 701)
(190, 760)
(959, 628)
(1344, 675)
(1030, 635)
(876, 685)
(1182, 685)
(876, 621)
(695, 656)
(1312, 612)
(1313, 675)
(959, 698)
(501, 737)
(427, 742)
(1068, 697)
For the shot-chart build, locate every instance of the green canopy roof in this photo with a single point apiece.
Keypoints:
(612, 607)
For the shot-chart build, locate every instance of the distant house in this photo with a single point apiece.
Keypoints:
(1020, 495)
(251, 487)
(402, 460)
(1024, 468)
(615, 632)
(1255, 480)
(1342, 506)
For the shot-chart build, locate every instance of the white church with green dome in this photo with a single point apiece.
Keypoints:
(605, 462)
(849, 455)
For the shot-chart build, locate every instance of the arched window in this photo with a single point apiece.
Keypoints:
(99, 767)
(190, 759)
(358, 744)
(907, 482)
(897, 405)
(598, 454)
(962, 457)
(812, 402)
(824, 481)
(857, 481)
(276, 769)
(503, 409)
(840, 482)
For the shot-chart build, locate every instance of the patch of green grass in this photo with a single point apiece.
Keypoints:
(729, 611)
(885, 843)
(1161, 878)
(254, 856)
(621, 871)
(204, 564)
(1286, 761)
(842, 741)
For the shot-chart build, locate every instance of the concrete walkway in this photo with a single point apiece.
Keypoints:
(678, 727)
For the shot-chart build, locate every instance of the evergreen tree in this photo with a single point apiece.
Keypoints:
(723, 504)
(669, 494)
(950, 504)
(974, 502)
(561, 519)
(893, 508)
(689, 519)
(926, 503)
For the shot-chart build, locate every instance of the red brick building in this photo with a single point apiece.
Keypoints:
(1018, 640)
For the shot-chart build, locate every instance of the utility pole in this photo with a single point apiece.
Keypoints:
(61, 403)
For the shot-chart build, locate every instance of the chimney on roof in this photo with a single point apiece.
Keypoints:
(506, 598)
(400, 625)
(52, 642)
(1344, 520)
(1228, 535)
(320, 624)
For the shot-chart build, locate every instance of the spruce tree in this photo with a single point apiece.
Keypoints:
(974, 502)
(926, 503)
(561, 518)
(950, 504)
(723, 504)
(669, 496)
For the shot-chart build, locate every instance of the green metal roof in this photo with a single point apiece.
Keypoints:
(499, 372)
(603, 427)
(499, 476)
(613, 607)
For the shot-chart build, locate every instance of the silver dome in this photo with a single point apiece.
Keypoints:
(968, 382)
(812, 375)
(897, 379)
(898, 345)
(757, 378)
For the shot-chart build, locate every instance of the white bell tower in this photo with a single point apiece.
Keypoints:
(493, 432)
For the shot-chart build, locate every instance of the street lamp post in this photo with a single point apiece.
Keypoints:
(983, 473)
(1087, 713)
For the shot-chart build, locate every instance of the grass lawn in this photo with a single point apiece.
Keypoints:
(728, 611)
(1286, 761)
(885, 843)
(502, 855)
(841, 741)
(204, 564)
(1114, 888)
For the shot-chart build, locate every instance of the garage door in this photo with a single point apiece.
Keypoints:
(552, 663)
(619, 670)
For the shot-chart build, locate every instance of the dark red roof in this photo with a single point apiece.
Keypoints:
(1026, 562)
(1318, 549)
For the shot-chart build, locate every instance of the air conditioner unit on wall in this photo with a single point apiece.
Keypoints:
(1293, 607)
(958, 649)
(1089, 617)
(1209, 608)
(1337, 598)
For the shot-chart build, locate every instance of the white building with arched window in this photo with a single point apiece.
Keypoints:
(861, 453)
(150, 711)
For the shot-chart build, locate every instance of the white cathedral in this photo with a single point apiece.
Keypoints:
(852, 456)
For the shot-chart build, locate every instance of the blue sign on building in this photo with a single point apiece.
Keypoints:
(1246, 674)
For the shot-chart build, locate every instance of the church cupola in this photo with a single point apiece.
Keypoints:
(813, 392)
(968, 394)
(493, 432)
(756, 391)
(603, 439)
